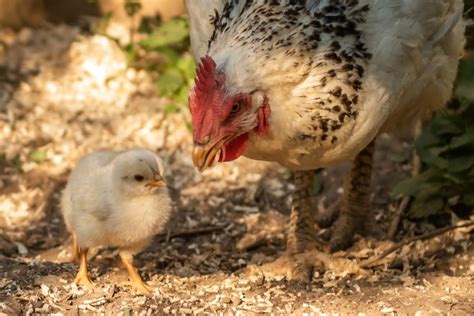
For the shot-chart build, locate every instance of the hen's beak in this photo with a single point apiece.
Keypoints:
(204, 155)
(156, 184)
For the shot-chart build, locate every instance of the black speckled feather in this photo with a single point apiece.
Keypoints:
(317, 36)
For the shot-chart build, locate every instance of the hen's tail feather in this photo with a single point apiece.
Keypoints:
(452, 19)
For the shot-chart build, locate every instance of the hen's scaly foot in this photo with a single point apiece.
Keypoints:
(325, 217)
(292, 267)
(300, 267)
(343, 233)
(341, 226)
(351, 212)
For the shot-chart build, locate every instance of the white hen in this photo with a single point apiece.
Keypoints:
(116, 199)
(311, 83)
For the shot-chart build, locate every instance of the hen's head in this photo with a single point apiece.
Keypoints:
(222, 120)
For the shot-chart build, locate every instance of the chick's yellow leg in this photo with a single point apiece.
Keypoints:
(82, 277)
(136, 281)
(74, 249)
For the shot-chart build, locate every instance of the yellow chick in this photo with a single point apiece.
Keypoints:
(116, 199)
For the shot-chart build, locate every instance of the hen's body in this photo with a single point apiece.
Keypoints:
(335, 74)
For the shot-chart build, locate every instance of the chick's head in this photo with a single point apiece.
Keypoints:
(138, 172)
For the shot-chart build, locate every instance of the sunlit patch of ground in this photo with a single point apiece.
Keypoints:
(64, 94)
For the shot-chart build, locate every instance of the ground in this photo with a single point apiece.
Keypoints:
(65, 93)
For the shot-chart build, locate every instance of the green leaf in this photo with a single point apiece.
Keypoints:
(170, 54)
(411, 186)
(132, 7)
(38, 156)
(170, 82)
(187, 66)
(468, 199)
(460, 164)
(169, 33)
(172, 108)
(447, 125)
(427, 139)
(424, 207)
(463, 140)
(432, 158)
(189, 126)
(182, 95)
(466, 72)
(130, 54)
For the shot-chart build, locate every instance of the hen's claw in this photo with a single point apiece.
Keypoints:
(343, 234)
(292, 267)
(325, 217)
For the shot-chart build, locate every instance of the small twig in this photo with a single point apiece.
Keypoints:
(393, 228)
(416, 169)
(371, 261)
(191, 232)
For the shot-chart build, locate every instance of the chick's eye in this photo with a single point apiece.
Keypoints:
(138, 178)
(236, 107)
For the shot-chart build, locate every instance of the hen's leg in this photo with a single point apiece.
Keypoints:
(135, 279)
(355, 202)
(82, 277)
(298, 261)
(301, 233)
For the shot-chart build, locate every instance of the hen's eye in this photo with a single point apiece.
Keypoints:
(236, 107)
(138, 178)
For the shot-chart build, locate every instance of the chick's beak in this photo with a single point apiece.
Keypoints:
(156, 184)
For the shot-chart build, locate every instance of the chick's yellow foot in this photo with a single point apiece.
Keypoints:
(82, 277)
(140, 287)
(136, 281)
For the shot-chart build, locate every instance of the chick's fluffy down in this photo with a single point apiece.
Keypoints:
(104, 207)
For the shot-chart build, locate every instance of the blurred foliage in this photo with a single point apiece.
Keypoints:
(38, 156)
(171, 40)
(14, 164)
(174, 69)
(132, 7)
(446, 150)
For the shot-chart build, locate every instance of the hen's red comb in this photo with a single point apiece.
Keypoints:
(207, 79)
